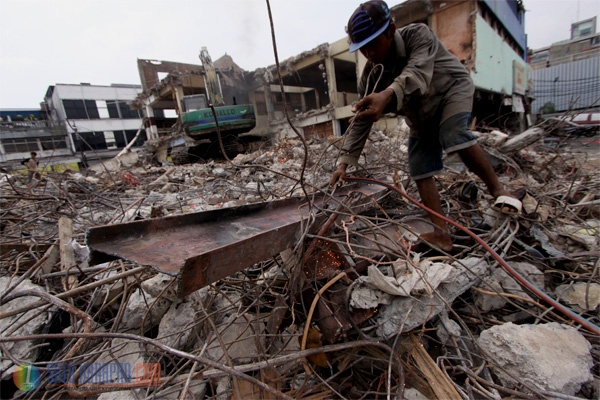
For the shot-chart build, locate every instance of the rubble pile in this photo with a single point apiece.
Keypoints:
(353, 310)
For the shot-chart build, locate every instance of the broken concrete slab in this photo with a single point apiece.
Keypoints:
(119, 395)
(25, 324)
(144, 309)
(521, 140)
(583, 296)
(177, 327)
(500, 281)
(406, 313)
(161, 285)
(532, 354)
(242, 337)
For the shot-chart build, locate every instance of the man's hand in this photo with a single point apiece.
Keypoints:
(338, 176)
(371, 107)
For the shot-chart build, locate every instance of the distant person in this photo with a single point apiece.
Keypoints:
(32, 167)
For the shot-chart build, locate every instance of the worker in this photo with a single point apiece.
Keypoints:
(410, 72)
(32, 167)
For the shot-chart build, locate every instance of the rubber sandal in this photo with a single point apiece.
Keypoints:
(508, 205)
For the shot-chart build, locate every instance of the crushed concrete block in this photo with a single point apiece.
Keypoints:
(366, 298)
(23, 324)
(128, 159)
(220, 172)
(120, 363)
(533, 353)
(414, 394)
(82, 253)
(110, 290)
(447, 327)
(196, 390)
(224, 390)
(92, 179)
(245, 158)
(158, 182)
(582, 295)
(241, 336)
(177, 327)
(407, 313)
(487, 302)
(120, 395)
(500, 281)
(143, 308)
(223, 306)
(162, 285)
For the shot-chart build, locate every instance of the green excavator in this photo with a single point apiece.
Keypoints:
(204, 120)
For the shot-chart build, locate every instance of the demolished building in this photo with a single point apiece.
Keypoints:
(320, 85)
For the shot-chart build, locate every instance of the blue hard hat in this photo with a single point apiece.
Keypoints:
(367, 22)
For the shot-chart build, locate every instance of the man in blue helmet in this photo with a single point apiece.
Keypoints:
(422, 80)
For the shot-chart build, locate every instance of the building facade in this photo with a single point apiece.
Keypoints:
(97, 119)
(19, 136)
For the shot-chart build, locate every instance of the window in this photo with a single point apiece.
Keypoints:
(75, 109)
(24, 145)
(120, 139)
(120, 109)
(86, 141)
(81, 109)
(127, 112)
(92, 110)
(53, 143)
(140, 140)
(113, 111)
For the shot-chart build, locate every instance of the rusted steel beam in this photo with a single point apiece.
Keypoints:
(201, 248)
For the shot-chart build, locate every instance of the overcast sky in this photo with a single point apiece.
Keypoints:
(44, 42)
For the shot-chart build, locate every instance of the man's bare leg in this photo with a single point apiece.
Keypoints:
(476, 160)
(430, 196)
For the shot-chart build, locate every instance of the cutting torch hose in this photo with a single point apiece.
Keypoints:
(539, 293)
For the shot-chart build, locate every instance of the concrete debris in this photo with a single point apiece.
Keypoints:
(161, 285)
(177, 328)
(119, 395)
(582, 296)
(119, 363)
(499, 281)
(26, 324)
(531, 354)
(238, 340)
(145, 310)
(447, 328)
(404, 314)
(380, 317)
(414, 394)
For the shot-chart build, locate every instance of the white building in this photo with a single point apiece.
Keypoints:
(97, 118)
